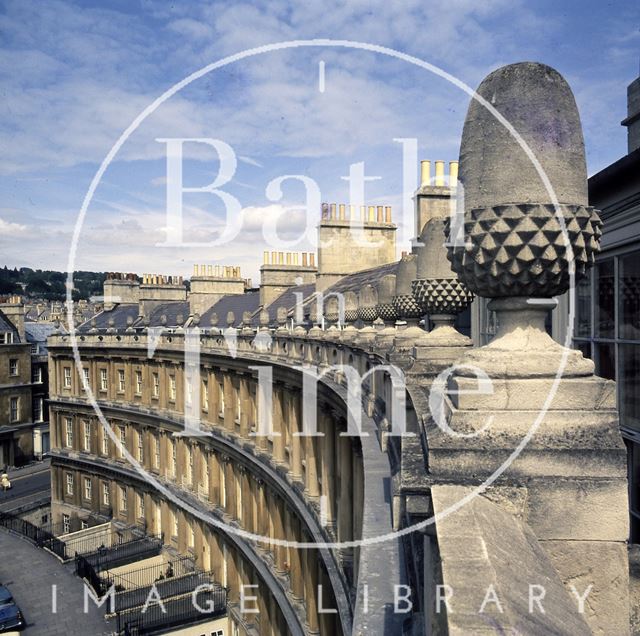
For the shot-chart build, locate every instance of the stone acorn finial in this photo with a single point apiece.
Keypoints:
(520, 238)
(404, 302)
(231, 318)
(437, 289)
(213, 320)
(179, 320)
(196, 319)
(386, 289)
(281, 316)
(350, 307)
(349, 333)
(163, 320)
(368, 304)
(332, 309)
(264, 319)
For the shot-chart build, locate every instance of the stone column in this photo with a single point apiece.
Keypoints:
(311, 590)
(278, 425)
(569, 483)
(328, 468)
(311, 473)
(296, 440)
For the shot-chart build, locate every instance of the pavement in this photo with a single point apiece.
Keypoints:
(30, 573)
(29, 485)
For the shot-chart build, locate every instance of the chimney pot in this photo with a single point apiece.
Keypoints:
(266, 258)
(372, 213)
(387, 214)
(312, 260)
(332, 211)
(425, 173)
(380, 214)
(304, 259)
(439, 173)
(341, 211)
(453, 174)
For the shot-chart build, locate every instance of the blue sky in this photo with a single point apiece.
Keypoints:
(75, 74)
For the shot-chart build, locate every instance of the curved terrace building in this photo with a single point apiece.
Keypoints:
(312, 448)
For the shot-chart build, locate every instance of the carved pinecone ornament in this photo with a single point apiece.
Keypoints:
(407, 307)
(521, 250)
(387, 311)
(367, 314)
(441, 295)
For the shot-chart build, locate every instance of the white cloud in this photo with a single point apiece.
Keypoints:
(7, 228)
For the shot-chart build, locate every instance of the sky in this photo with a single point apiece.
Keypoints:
(75, 75)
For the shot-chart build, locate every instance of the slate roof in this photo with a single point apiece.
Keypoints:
(356, 281)
(171, 311)
(37, 332)
(237, 303)
(119, 314)
(6, 326)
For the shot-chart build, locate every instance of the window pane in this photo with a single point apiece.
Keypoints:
(583, 307)
(585, 347)
(605, 359)
(604, 299)
(629, 385)
(629, 296)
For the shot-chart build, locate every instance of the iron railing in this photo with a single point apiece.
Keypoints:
(40, 536)
(207, 605)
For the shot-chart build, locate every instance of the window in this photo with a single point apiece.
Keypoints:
(156, 459)
(174, 518)
(34, 349)
(121, 385)
(172, 388)
(138, 382)
(174, 458)
(103, 380)
(190, 463)
(141, 447)
(105, 442)
(69, 432)
(85, 373)
(13, 366)
(205, 396)
(156, 385)
(69, 483)
(123, 499)
(6, 338)
(238, 406)
(86, 428)
(141, 506)
(37, 409)
(221, 399)
(106, 494)
(122, 431)
(14, 408)
(36, 375)
(88, 488)
(66, 382)
(192, 538)
(66, 524)
(189, 396)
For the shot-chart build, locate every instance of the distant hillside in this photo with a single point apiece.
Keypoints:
(48, 284)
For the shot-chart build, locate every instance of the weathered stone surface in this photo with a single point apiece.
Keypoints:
(590, 393)
(524, 250)
(494, 169)
(603, 565)
(481, 545)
